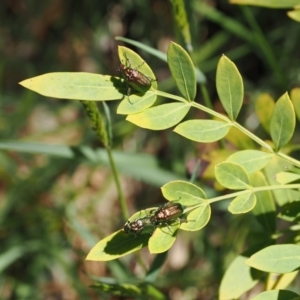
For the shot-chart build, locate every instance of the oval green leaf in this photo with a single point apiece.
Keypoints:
(264, 108)
(116, 245)
(277, 295)
(163, 238)
(277, 259)
(283, 122)
(204, 131)
(242, 203)
(77, 86)
(230, 87)
(232, 176)
(251, 160)
(137, 103)
(160, 117)
(182, 70)
(237, 280)
(197, 219)
(184, 192)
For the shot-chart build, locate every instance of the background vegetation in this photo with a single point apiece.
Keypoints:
(54, 209)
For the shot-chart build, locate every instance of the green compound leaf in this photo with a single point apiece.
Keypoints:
(163, 238)
(116, 245)
(77, 86)
(277, 259)
(232, 176)
(230, 87)
(137, 103)
(182, 70)
(160, 117)
(295, 97)
(242, 203)
(277, 295)
(251, 160)
(197, 219)
(237, 280)
(264, 108)
(184, 192)
(204, 131)
(283, 122)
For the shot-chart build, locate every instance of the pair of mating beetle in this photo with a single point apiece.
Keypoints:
(164, 215)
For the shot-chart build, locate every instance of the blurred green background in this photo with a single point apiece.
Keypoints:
(54, 209)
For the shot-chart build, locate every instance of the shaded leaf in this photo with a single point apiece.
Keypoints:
(265, 208)
(116, 245)
(239, 139)
(275, 166)
(264, 107)
(295, 97)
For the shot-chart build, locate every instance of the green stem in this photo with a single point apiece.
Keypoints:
(251, 190)
(289, 159)
(255, 190)
(118, 185)
(99, 125)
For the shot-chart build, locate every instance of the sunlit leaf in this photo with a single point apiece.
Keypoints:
(277, 259)
(185, 192)
(283, 122)
(251, 160)
(232, 176)
(204, 131)
(77, 86)
(182, 70)
(242, 203)
(160, 117)
(197, 218)
(230, 87)
(237, 280)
